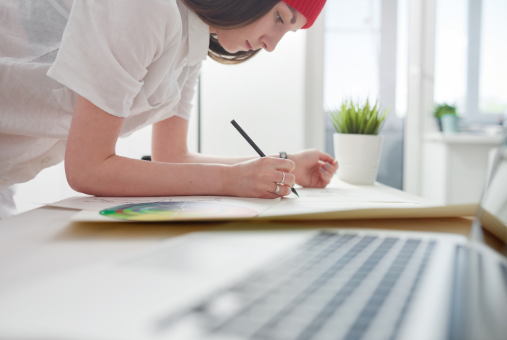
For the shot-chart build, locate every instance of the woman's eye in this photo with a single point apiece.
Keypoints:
(279, 18)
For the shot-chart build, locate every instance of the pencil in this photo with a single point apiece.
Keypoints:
(251, 142)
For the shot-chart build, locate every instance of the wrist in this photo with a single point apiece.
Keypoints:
(226, 174)
(292, 156)
(298, 166)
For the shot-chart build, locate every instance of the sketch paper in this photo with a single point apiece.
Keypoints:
(344, 195)
(339, 212)
(379, 210)
(315, 202)
(293, 207)
(306, 195)
(92, 203)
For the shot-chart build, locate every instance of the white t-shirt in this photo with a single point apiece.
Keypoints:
(134, 59)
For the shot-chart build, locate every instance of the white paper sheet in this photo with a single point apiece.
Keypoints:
(92, 203)
(293, 207)
(365, 210)
(310, 201)
(344, 195)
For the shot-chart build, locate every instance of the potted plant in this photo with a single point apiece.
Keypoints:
(357, 145)
(446, 117)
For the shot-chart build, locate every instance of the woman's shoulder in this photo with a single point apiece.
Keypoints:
(164, 6)
(136, 18)
(154, 10)
(132, 11)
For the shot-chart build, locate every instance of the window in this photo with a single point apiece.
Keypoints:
(352, 50)
(451, 53)
(364, 54)
(470, 58)
(493, 58)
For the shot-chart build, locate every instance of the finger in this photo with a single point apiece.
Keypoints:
(326, 170)
(326, 158)
(269, 195)
(326, 177)
(282, 191)
(329, 166)
(290, 180)
(321, 181)
(277, 177)
(330, 169)
(285, 165)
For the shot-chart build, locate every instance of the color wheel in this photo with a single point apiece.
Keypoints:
(176, 211)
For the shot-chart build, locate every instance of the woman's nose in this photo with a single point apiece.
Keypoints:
(269, 42)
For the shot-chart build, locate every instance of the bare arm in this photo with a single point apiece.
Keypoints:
(92, 166)
(169, 144)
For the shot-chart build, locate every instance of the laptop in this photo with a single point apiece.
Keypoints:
(283, 285)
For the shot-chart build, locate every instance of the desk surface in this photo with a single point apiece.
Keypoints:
(43, 241)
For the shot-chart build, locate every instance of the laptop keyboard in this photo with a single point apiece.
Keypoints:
(335, 286)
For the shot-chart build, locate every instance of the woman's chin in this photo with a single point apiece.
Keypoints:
(231, 50)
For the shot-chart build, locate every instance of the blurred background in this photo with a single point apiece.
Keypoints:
(412, 55)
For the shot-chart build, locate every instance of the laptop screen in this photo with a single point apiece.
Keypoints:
(494, 202)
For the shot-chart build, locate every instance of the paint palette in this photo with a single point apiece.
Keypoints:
(177, 211)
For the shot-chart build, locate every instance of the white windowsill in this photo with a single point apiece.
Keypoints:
(462, 138)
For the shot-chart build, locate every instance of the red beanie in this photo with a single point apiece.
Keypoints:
(309, 8)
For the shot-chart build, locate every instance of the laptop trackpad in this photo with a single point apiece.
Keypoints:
(215, 253)
(124, 299)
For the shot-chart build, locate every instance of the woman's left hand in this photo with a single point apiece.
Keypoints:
(314, 169)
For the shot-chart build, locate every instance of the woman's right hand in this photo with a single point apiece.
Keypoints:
(258, 178)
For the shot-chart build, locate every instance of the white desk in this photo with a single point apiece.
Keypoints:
(43, 241)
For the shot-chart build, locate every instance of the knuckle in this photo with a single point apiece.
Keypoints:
(265, 194)
(291, 178)
(292, 165)
(258, 186)
(264, 160)
(264, 173)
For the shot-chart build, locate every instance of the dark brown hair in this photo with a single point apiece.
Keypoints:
(226, 15)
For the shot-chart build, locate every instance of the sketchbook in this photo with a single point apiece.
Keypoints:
(349, 202)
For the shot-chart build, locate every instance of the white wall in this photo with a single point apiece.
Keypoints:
(265, 95)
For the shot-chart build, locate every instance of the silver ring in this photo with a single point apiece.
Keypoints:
(283, 179)
(277, 189)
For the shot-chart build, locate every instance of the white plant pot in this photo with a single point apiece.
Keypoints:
(358, 157)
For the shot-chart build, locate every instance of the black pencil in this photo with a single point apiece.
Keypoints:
(251, 142)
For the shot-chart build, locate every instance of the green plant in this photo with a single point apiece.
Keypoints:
(444, 109)
(358, 119)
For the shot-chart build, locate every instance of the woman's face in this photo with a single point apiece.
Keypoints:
(264, 33)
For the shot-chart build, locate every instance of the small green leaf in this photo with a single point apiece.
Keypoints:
(370, 126)
(354, 117)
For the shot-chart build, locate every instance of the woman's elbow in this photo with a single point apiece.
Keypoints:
(78, 178)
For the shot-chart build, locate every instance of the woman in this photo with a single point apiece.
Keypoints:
(72, 82)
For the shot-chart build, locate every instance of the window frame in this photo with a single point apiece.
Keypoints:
(473, 114)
